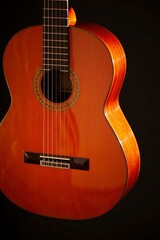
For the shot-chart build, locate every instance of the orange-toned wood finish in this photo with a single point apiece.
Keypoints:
(72, 17)
(94, 127)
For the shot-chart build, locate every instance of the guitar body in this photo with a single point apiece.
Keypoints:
(93, 127)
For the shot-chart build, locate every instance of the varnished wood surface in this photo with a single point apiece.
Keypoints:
(94, 127)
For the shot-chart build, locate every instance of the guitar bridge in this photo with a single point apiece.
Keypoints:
(56, 161)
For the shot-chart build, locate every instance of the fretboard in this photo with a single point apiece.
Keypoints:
(55, 35)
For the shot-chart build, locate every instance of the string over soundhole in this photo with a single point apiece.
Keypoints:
(56, 86)
(61, 98)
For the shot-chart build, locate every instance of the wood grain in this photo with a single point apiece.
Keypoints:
(94, 128)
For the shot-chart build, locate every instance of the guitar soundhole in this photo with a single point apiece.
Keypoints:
(55, 90)
(56, 86)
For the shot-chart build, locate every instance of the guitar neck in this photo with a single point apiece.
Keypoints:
(55, 35)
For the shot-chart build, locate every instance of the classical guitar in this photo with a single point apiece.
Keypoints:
(67, 150)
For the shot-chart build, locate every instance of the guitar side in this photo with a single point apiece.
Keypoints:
(112, 109)
(93, 128)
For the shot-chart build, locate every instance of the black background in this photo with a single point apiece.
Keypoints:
(137, 25)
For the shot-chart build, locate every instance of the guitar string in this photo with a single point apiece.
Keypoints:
(48, 90)
(49, 72)
(64, 78)
(48, 87)
(59, 79)
(61, 75)
(57, 76)
(65, 29)
(58, 83)
(42, 80)
(60, 115)
(66, 81)
(54, 132)
(43, 75)
(61, 26)
(52, 76)
(66, 123)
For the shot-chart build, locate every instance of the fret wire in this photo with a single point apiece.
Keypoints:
(49, 14)
(56, 59)
(55, 33)
(59, 30)
(55, 22)
(55, 9)
(56, 65)
(55, 17)
(52, 40)
(57, 1)
(56, 53)
(63, 70)
(49, 25)
(54, 47)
